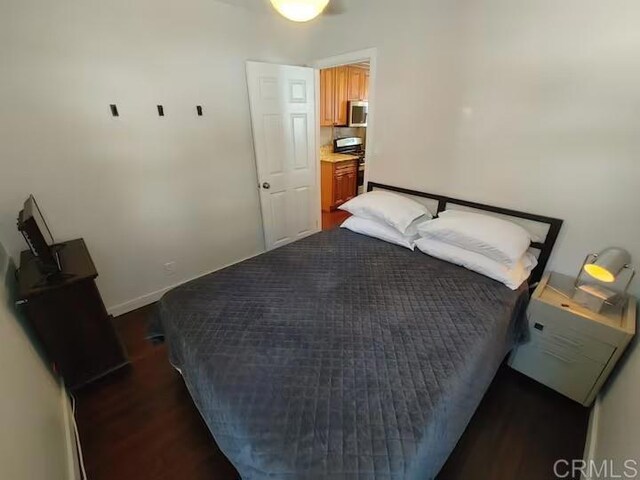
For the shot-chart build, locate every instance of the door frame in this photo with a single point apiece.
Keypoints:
(368, 54)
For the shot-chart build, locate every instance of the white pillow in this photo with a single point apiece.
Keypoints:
(377, 229)
(511, 277)
(500, 240)
(536, 230)
(391, 208)
(412, 229)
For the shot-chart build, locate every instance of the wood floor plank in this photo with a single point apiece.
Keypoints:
(333, 219)
(141, 424)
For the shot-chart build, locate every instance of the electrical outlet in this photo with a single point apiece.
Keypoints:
(170, 268)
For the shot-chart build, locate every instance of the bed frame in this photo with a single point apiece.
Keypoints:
(545, 247)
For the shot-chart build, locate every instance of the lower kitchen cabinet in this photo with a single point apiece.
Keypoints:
(339, 183)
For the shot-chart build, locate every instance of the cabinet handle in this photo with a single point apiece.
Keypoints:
(558, 357)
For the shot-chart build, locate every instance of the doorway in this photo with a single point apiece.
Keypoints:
(345, 89)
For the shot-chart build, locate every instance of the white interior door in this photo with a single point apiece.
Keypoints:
(282, 100)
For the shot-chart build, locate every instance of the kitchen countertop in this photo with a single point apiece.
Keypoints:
(337, 157)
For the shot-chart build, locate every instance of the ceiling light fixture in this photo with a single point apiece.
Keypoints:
(300, 10)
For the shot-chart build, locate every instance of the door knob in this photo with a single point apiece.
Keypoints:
(266, 185)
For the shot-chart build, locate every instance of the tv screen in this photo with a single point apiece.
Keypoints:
(38, 236)
(32, 210)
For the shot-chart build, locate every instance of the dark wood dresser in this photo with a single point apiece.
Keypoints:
(68, 316)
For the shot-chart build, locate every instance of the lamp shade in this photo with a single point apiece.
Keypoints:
(300, 10)
(608, 264)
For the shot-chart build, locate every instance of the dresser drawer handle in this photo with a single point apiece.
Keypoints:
(558, 357)
(566, 340)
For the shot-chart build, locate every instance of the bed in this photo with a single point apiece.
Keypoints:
(341, 356)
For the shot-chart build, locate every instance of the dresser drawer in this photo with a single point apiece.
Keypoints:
(558, 328)
(573, 376)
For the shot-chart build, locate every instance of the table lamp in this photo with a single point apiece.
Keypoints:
(606, 267)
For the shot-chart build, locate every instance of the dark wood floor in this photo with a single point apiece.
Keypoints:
(141, 424)
(333, 219)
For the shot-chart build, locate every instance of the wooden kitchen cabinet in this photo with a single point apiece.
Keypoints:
(355, 83)
(364, 90)
(337, 86)
(341, 96)
(345, 187)
(327, 85)
(358, 83)
(339, 183)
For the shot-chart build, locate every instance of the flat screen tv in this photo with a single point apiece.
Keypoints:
(33, 227)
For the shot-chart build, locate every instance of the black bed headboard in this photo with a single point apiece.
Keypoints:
(545, 247)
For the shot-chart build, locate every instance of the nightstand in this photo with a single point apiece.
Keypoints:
(570, 348)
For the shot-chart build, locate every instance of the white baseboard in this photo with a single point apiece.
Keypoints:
(73, 461)
(152, 297)
(139, 302)
(592, 433)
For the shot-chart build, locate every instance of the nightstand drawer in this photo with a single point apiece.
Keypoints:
(573, 376)
(559, 327)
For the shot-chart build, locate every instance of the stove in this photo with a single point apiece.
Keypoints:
(353, 146)
(350, 146)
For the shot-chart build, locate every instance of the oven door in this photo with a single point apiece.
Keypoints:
(358, 113)
(361, 179)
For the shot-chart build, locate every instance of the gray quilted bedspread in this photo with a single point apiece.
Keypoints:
(339, 357)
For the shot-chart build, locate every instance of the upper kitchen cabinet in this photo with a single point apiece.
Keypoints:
(337, 86)
(365, 85)
(358, 83)
(341, 96)
(327, 107)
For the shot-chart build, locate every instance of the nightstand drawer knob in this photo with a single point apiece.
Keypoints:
(538, 326)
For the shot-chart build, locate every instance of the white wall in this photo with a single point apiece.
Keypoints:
(529, 105)
(141, 190)
(616, 432)
(33, 437)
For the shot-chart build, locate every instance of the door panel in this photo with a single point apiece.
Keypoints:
(302, 201)
(297, 91)
(350, 186)
(274, 144)
(300, 128)
(278, 203)
(282, 100)
(340, 189)
(268, 88)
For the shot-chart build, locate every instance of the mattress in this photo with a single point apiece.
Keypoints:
(339, 356)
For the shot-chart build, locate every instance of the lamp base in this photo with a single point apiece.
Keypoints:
(593, 303)
(592, 297)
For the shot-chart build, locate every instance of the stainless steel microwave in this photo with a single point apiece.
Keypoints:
(358, 113)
